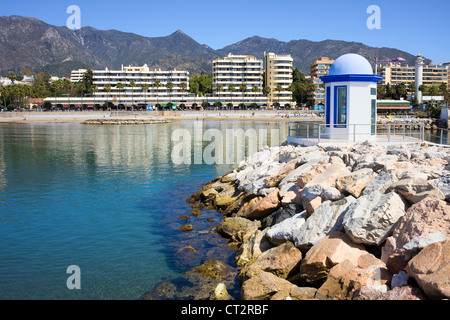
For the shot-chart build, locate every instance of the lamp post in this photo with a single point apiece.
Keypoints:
(393, 60)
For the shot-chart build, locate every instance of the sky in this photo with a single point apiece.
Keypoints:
(409, 25)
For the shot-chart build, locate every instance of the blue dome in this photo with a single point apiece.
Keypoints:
(350, 64)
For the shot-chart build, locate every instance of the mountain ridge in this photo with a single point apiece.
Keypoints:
(27, 42)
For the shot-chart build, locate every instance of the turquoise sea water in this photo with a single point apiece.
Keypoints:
(104, 198)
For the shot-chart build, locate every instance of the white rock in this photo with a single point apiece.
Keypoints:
(371, 218)
(284, 231)
(326, 218)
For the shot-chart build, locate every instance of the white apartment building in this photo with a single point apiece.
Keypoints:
(77, 75)
(279, 75)
(138, 85)
(396, 73)
(238, 79)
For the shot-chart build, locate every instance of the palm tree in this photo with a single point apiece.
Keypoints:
(219, 88)
(243, 89)
(231, 87)
(120, 87)
(132, 85)
(169, 85)
(107, 88)
(278, 89)
(411, 87)
(157, 84)
(266, 91)
(145, 88)
(94, 89)
(183, 87)
(255, 89)
(194, 88)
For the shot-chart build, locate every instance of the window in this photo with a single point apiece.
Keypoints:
(373, 91)
(327, 108)
(374, 117)
(340, 105)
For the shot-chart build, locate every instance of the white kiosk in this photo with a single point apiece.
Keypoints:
(350, 99)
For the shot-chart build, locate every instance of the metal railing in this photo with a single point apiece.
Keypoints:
(391, 132)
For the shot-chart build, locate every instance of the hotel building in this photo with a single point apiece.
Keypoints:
(319, 68)
(139, 85)
(279, 75)
(395, 73)
(238, 79)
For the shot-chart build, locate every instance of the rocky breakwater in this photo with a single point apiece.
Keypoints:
(338, 222)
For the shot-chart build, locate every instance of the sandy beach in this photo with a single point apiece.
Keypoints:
(80, 117)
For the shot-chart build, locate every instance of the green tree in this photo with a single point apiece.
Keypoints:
(132, 86)
(119, 86)
(278, 89)
(183, 87)
(145, 88)
(219, 89)
(107, 88)
(169, 86)
(157, 84)
(433, 90)
(231, 87)
(200, 84)
(243, 89)
(255, 90)
(88, 80)
(411, 88)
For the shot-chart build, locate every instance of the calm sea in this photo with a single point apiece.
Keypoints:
(103, 198)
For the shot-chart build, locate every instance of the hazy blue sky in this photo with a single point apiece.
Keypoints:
(409, 25)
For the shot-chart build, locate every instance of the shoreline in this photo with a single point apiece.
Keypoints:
(360, 222)
(64, 118)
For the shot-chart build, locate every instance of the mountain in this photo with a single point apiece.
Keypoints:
(305, 51)
(31, 43)
(27, 42)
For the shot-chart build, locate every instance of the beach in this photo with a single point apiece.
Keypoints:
(80, 117)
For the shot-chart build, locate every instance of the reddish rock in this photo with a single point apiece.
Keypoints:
(403, 293)
(261, 209)
(348, 276)
(328, 252)
(282, 261)
(431, 269)
(428, 215)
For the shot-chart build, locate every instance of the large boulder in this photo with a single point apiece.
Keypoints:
(431, 269)
(403, 293)
(274, 179)
(286, 230)
(327, 218)
(262, 208)
(325, 254)
(355, 182)
(237, 228)
(281, 214)
(267, 286)
(443, 184)
(283, 261)
(255, 244)
(415, 189)
(380, 183)
(371, 218)
(425, 217)
(306, 167)
(327, 177)
(348, 276)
